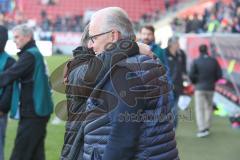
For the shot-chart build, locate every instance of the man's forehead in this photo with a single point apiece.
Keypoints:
(92, 27)
(95, 24)
(146, 30)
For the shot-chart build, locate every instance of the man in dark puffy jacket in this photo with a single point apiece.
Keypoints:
(80, 79)
(128, 115)
(205, 71)
(6, 61)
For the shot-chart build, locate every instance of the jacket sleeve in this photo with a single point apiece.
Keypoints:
(23, 66)
(5, 99)
(164, 57)
(193, 73)
(218, 72)
(184, 62)
(123, 137)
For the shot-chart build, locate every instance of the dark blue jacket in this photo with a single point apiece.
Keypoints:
(129, 113)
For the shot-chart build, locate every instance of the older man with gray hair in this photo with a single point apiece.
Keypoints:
(177, 68)
(128, 113)
(35, 104)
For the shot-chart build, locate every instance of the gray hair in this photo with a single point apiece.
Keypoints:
(117, 18)
(85, 36)
(23, 29)
(173, 40)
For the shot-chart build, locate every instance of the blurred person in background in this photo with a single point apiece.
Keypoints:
(236, 25)
(147, 37)
(204, 72)
(6, 61)
(2, 19)
(177, 70)
(195, 24)
(213, 24)
(35, 96)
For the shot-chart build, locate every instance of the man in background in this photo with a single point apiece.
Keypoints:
(147, 37)
(177, 69)
(6, 61)
(35, 97)
(204, 72)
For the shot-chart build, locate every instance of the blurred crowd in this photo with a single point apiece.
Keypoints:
(48, 23)
(219, 18)
(65, 23)
(62, 23)
(74, 23)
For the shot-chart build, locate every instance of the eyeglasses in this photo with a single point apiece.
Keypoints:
(92, 38)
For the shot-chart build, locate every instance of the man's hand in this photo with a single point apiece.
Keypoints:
(144, 49)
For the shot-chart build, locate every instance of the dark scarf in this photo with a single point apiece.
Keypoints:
(114, 53)
(81, 55)
(98, 65)
(111, 58)
(3, 38)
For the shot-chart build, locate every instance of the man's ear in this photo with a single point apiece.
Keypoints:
(116, 35)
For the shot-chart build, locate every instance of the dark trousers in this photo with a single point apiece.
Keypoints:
(3, 126)
(29, 142)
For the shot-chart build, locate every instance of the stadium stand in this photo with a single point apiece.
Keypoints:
(55, 15)
(209, 16)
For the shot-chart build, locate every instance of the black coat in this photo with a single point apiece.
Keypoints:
(3, 37)
(177, 67)
(5, 98)
(204, 72)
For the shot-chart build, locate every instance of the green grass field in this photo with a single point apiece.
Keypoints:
(222, 144)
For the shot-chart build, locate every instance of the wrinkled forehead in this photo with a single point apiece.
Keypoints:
(93, 27)
(97, 23)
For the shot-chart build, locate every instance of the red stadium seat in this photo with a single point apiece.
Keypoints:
(135, 8)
